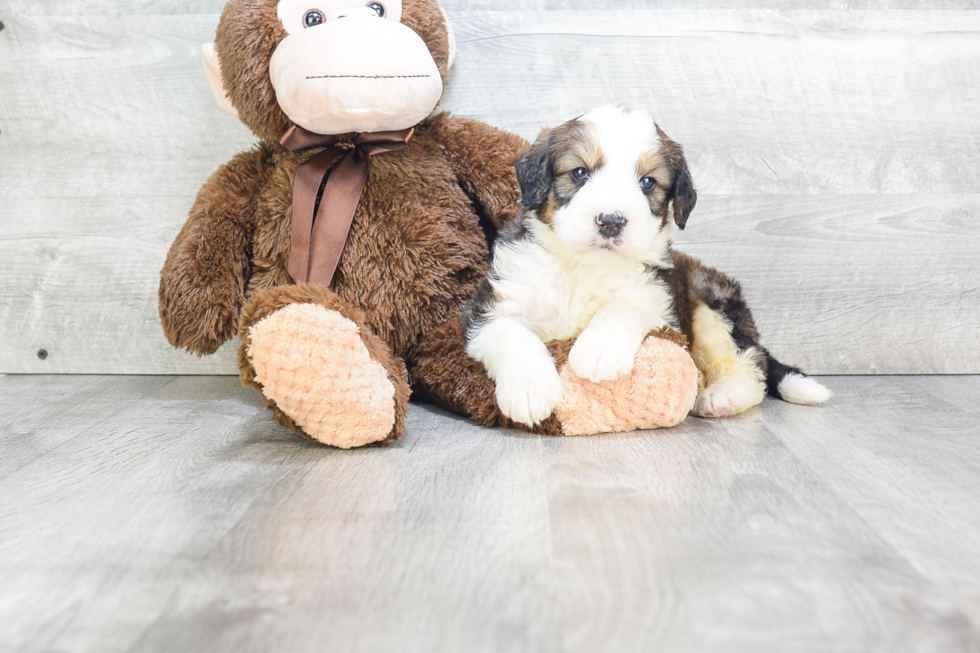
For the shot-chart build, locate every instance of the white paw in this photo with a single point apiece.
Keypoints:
(599, 357)
(529, 396)
(728, 398)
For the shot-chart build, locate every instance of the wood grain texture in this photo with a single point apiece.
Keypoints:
(456, 7)
(163, 514)
(839, 146)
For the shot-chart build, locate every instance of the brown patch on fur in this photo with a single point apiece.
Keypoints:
(678, 280)
(662, 165)
(653, 163)
(571, 146)
(574, 145)
(592, 154)
(670, 151)
(546, 212)
(265, 303)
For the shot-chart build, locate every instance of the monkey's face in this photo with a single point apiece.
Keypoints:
(330, 66)
(347, 66)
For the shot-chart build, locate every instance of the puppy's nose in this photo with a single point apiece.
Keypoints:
(610, 224)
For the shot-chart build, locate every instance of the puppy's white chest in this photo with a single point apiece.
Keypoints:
(558, 298)
(580, 294)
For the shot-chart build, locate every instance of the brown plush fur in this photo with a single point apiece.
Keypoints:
(202, 286)
(468, 144)
(414, 255)
(417, 246)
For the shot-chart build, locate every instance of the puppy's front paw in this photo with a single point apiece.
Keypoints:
(599, 358)
(529, 396)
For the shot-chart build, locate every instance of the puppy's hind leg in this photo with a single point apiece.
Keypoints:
(732, 376)
(736, 370)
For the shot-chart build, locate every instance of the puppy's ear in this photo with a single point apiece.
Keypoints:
(534, 172)
(683, 195)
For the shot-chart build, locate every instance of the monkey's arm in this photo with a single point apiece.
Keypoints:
(202, 284)
(483, 158)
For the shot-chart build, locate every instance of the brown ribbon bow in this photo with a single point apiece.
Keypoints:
(318, 240)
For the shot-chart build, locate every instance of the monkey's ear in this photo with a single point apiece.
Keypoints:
(534, 172)
(683, 194)
(212, 68)
(452, 39)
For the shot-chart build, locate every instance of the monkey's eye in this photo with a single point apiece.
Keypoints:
(580, 174)
(312, 18)
(378, 9)
(647, 183)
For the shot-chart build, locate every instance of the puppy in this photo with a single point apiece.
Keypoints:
(590, 257)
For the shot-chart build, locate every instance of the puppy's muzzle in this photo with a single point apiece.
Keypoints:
(610, 225)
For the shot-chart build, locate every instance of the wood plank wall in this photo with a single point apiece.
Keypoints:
(836, 148)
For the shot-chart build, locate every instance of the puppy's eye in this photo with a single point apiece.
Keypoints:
(378, 9)
(580, 174)
(312, 18)
(647, 183)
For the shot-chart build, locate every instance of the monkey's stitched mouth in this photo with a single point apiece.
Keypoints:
(368, 76)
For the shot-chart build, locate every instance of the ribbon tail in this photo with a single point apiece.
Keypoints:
(309, 177)
(335, 217)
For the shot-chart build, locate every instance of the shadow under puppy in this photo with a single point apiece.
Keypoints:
(590, 257)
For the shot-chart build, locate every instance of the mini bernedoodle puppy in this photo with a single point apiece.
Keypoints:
(590, 257)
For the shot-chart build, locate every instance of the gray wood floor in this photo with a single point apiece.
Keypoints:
(167, 514)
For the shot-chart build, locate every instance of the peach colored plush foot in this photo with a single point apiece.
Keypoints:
(647, 398)
(312, 363)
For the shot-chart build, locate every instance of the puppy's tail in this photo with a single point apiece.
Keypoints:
(792, 385)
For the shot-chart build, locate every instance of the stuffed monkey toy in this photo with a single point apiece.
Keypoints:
(343, 247)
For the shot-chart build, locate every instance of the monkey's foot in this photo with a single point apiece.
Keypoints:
(314, 366)
(658, 393)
